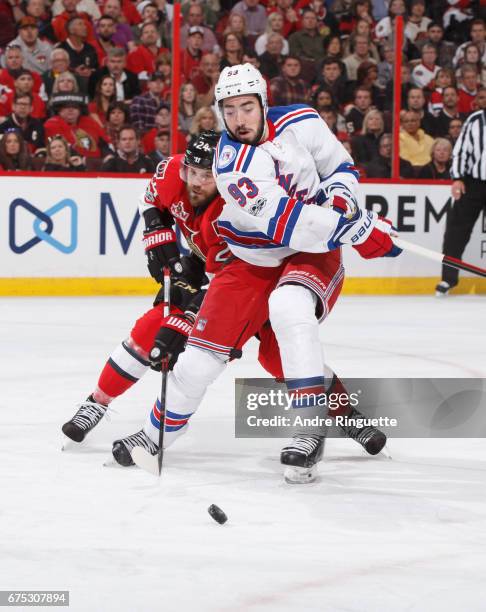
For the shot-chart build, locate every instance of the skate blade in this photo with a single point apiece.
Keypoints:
(145, 460)
(300, 475)
(385, 452)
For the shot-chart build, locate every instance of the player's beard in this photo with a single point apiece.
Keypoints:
(199, 199)
(253, 141)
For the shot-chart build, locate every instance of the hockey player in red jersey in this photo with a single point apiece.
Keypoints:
(183, 191)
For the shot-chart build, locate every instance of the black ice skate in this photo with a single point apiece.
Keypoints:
(301, 457)
(86, 418)
(371, 439)
(442, 289)
(122, 448)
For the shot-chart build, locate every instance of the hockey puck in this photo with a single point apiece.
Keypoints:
(217, 514)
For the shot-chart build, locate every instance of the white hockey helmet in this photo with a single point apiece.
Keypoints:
(241, 80)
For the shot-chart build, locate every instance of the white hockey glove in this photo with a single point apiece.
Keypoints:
(338, 197)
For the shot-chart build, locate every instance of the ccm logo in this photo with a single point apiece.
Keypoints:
(363, 228)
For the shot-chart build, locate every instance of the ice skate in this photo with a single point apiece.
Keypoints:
(121, 449)
(442, 289)
(86, 418)
(301, 457)
(371, 439)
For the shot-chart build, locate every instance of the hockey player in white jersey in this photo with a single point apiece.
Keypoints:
(289, 188)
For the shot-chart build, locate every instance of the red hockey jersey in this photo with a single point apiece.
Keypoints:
(167, 192)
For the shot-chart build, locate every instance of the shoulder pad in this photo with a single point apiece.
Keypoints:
(232, 156)
(283, 116)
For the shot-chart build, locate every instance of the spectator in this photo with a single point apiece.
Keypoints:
(275, 23)
(423, 74)
(368, 78)
(237, 24)
(42, 15)
(360, 9)
(24, 84)
(289, 88)
(291, 18)
(12, 61)
(162, 147)
(384, 28)
(90, 7)
(104, 96)
(365, 145)
(105, 31)
(333, 49)
(195, 17)
(307, 43)
(59, 158)
(271, 61)
(232, 51)
(361, 53)
(447, 113)
(144, 107)
(59, 24)
(36, 53)
(445, 78)
(468, 88)
(445, 49)
(417, 22)
(83, 58)
(381, 165)
(323, 98)
(123, 35)
(416, 102)
(162, 122)
(255, 16)
(59, 64)
(10, 12)
(13, 152)
(480, 100)
(141, 60)
(20, 119)
(455, 127)
(117, 116)
(207, 77)
(478, 37)
(362, 29)
(415, 144)
(472, 56)
(151, 14)
(204, 120)
(191, 56)
(65, 82)
(332, 118)
(187, 106)
(385, 67)
(164, 66)
(332, 78)
(356, 112)
(439, 166)
(210, 8)
(85, 135)
(126, 82)
(128, 157)
(326, 21)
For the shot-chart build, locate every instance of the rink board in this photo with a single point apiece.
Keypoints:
(82, 236)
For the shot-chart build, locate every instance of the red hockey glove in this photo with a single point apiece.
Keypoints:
(378, 243)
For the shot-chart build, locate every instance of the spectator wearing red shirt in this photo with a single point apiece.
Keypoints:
(24, 84)
(105, 31)
(142, 59)
(10, 12)
(13, 66)
(192, 54)
(60, 22)
(290, 15)
(207, 77)
(83, 133)
(468, 88)
(162, 123)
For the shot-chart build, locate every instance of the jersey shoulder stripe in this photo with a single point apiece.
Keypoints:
(287, 115)
(247, 240)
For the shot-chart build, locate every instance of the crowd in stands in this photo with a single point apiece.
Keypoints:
(86, 84)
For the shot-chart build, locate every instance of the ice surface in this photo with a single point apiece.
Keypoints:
(407, 534)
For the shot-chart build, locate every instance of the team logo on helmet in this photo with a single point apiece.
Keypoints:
(227, 156)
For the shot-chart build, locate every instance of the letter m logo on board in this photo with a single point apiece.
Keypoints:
(108, 208)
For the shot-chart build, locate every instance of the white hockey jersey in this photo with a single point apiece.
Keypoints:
(270, 188)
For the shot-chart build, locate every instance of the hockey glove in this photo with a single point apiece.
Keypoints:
(170, 340)
(338, 197)
(161, 250)
(368, 233)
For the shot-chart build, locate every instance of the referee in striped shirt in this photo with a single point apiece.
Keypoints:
(468, 172)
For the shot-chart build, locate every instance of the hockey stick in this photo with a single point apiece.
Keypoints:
(140, 456)
(447, 260)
